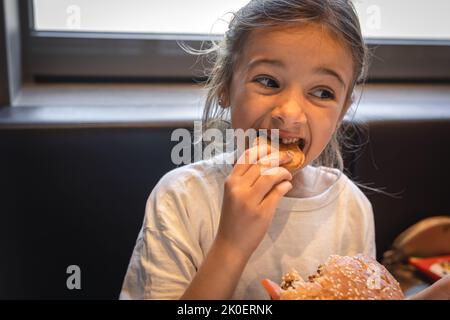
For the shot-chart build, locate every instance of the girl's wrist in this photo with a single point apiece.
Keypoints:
(230, 253)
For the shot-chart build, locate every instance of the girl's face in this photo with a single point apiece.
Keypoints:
(292, 79)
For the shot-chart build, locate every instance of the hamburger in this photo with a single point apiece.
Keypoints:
(339, 278)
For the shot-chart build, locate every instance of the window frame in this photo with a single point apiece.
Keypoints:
(10, 53)
(84, 55)
(4, 78)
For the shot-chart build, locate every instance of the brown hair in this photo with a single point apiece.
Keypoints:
(337, 16)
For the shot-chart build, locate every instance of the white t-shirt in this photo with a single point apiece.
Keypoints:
(182, 217)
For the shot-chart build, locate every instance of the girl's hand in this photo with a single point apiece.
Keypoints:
(250, 199)
(440, 290)
(249, 202)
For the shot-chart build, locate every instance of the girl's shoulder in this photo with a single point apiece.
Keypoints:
(205, 173)
(191, 190)
(354, 194)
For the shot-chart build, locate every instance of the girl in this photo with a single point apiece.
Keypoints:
(214, 230)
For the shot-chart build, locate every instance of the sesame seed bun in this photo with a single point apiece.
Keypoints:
(339, 278)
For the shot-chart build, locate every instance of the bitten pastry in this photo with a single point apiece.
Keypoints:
(297, 160)
(339, 278)
(298, 156)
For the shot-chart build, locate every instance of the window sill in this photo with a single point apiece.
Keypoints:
(178, 105)
(104, 105)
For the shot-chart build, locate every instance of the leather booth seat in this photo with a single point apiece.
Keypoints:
(77, 197)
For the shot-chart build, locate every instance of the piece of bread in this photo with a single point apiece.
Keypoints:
(298, 156)
(339, 278)
(297, 160)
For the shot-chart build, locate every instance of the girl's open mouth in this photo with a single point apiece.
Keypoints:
(301, 142)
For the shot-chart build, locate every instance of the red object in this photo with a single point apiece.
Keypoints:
(272, 289)
(434, 267)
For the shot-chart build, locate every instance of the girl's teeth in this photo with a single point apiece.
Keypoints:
(289, 140)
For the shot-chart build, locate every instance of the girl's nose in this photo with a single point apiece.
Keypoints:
(289, 114)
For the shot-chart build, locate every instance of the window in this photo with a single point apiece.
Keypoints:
(136, 38)
(135, 16)
(404, 19)
(387, 19)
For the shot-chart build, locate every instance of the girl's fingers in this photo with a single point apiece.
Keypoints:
(249, 158)
(274, 196)
(243, 162)
(262, 166)
(268, 181)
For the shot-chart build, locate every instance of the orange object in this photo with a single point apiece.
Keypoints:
(272, 289)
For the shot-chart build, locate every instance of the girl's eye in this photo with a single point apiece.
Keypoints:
(324, 94)
(267, 82)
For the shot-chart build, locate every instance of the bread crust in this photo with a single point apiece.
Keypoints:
(298, 157)
(343, 278)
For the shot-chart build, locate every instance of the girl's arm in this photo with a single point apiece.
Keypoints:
(249, 202)
(218, 275)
